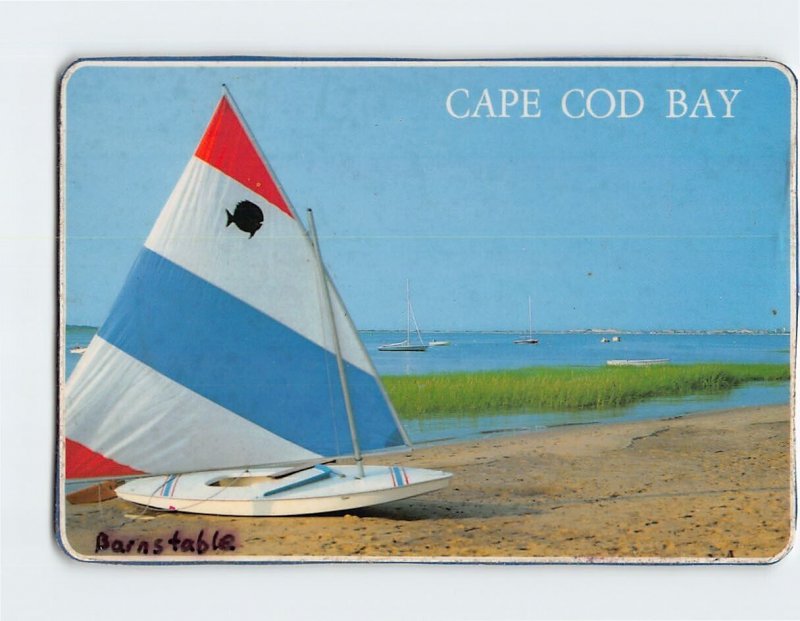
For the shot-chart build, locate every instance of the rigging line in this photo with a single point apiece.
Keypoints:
(142, 511)
(337, 346)
(222, 488)
(233, 480)
(416, 325)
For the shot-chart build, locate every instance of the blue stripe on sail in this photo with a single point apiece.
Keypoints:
(234, 355)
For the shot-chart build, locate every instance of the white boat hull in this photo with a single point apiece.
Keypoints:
(402, 347)
(256, 492)
(637, 362)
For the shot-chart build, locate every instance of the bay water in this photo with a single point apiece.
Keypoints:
(484, 351)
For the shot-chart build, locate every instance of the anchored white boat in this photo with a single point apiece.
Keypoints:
(408, 345)
(210, 388)
(529, 340)
(438, 343)
(637, 362)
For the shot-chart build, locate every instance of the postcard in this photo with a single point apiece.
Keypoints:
(483, 311)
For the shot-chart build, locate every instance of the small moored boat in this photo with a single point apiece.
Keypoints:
(637, 362)
(529, 340)
(407, 345)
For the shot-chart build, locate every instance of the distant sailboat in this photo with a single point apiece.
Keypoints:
(209, 388)
(407, 345)
(529, 340)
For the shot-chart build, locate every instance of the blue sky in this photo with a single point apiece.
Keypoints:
(640, 223)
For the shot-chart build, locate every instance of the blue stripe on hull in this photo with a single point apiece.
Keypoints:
(232, 354)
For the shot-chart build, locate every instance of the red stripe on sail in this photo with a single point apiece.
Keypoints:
(227, 147)
(84, 463)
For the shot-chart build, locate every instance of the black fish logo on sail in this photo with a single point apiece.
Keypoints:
(247, 216)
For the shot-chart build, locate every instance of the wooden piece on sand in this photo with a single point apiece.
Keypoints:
(96, 493)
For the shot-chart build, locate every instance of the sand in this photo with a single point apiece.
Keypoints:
(705, 487)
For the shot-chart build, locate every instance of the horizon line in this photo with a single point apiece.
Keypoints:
(780, 330)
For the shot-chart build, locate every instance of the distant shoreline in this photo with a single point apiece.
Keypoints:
(601, 331)
(598, 331)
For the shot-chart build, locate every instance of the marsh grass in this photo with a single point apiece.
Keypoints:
(566, 389)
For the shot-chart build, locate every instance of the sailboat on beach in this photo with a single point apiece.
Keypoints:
(408, 345)
(228, 375)
(529, 340)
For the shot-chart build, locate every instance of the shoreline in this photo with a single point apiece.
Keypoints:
(503, 433)
(704, 487)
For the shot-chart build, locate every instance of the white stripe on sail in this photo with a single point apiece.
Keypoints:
(130, 413)
(273, 271)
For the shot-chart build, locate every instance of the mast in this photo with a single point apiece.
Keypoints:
(408, 312)
(339, 362)
(530, 319)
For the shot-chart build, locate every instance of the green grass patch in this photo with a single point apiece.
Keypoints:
(566, 389)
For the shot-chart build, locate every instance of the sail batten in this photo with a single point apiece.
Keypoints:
(214, 354)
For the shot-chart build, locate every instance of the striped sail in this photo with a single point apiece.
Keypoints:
(218, 351)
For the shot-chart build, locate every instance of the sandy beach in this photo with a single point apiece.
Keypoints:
(701, 487)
